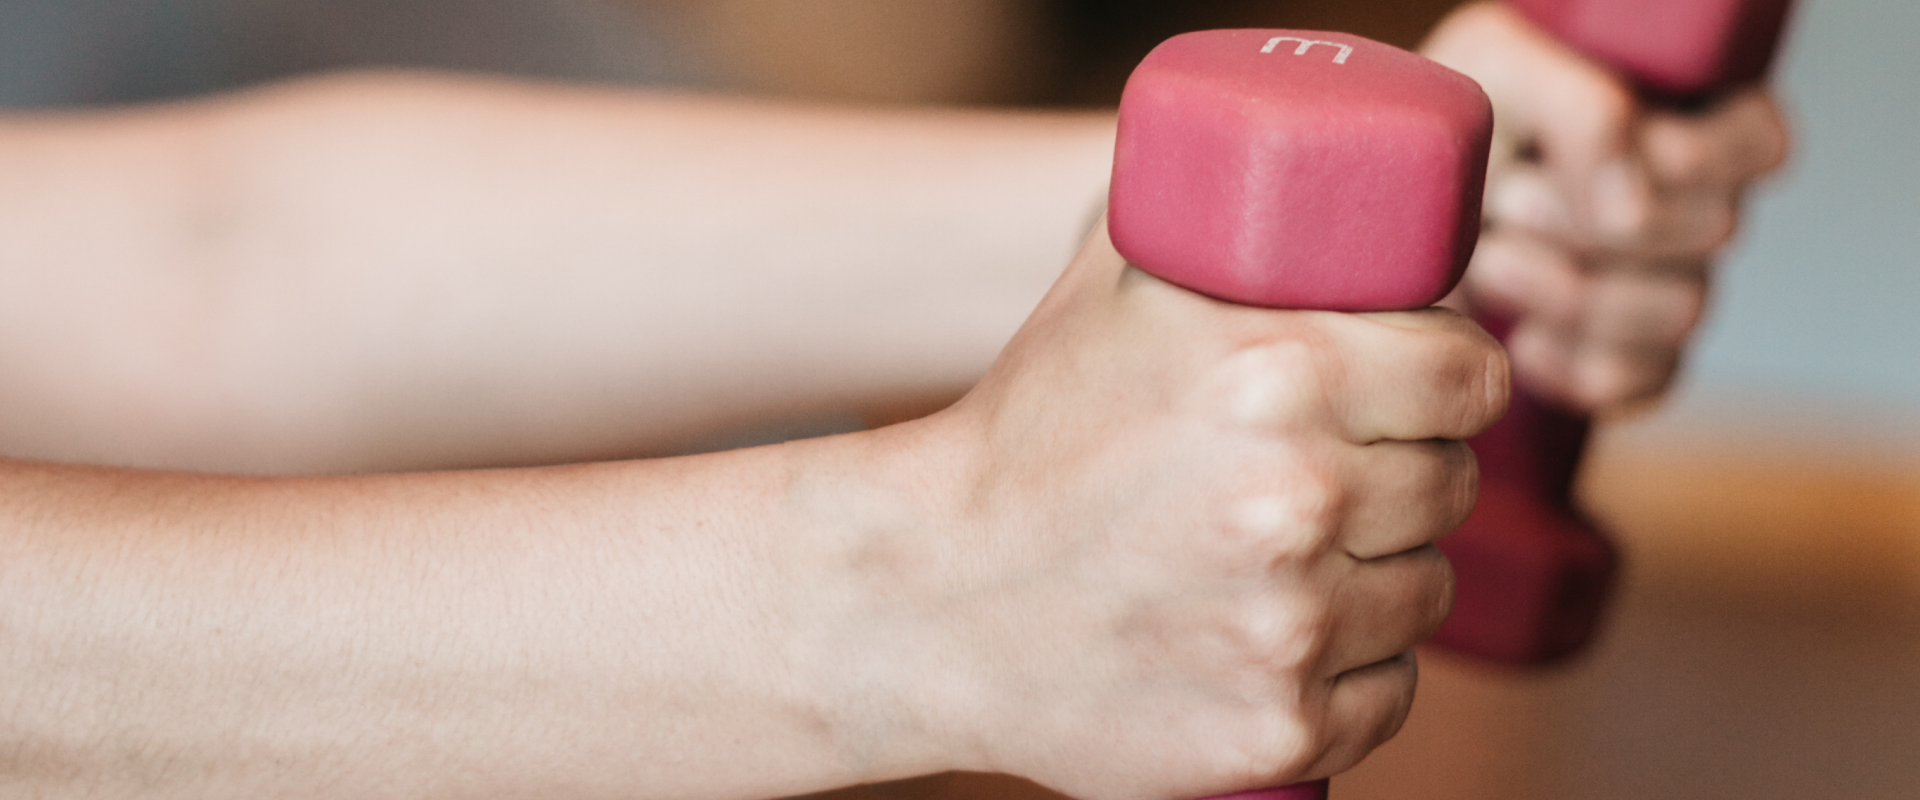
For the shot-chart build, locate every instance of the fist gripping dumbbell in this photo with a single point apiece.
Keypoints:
(1532, 571)
(1244, 180)
(1292, 169)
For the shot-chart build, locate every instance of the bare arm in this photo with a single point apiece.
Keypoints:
(1166, 548)
(630, 630)
(388, 271)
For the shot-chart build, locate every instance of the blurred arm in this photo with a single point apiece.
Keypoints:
(386, 271)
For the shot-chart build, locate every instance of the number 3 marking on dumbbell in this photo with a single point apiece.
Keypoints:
(1307, 44)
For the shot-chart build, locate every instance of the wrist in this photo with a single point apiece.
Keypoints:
(870, 640)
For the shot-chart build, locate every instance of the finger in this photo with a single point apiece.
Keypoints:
(1366, 707)
(1544, 358)
(1622, 206)
(1551, 364)
(1681, 223)
(1522, 277)
(1626, 214)
(1405, 495)
(1386, 605)
(1620, 209)
(1635, 306)
(1740, 139)
(1615, 202)
(1525, 198)
(1613, 378)
(1430, 374)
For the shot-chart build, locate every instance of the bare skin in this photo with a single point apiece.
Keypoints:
(378, 272)
(1199, 529)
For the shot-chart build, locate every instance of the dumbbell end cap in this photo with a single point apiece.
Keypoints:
(1299, 169)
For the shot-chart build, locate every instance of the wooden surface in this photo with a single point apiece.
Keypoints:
(1767, 645)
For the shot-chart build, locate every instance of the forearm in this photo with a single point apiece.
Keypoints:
(650, 629)
(1112, 569)
(393, 272)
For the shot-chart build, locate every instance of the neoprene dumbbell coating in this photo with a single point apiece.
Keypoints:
(1296, 169)
(1303, 170)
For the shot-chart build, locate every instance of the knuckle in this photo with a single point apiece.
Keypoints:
(1266, 746)
(1269, 637)
(1320, 492)
(1273, 385)
(1276, 528)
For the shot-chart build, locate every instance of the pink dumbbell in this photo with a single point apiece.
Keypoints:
(1533, 572)
(1294, 169)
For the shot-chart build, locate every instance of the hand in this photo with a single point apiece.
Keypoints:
(1604, 214)
(1196, 544)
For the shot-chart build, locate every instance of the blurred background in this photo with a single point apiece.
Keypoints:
(1767, 642)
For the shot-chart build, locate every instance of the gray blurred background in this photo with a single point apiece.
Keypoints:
(1815, 330)
(82, 52)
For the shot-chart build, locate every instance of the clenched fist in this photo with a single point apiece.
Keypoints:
(1193, 542)
(1604, 213)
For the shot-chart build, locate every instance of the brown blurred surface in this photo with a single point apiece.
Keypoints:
(1764, 646)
